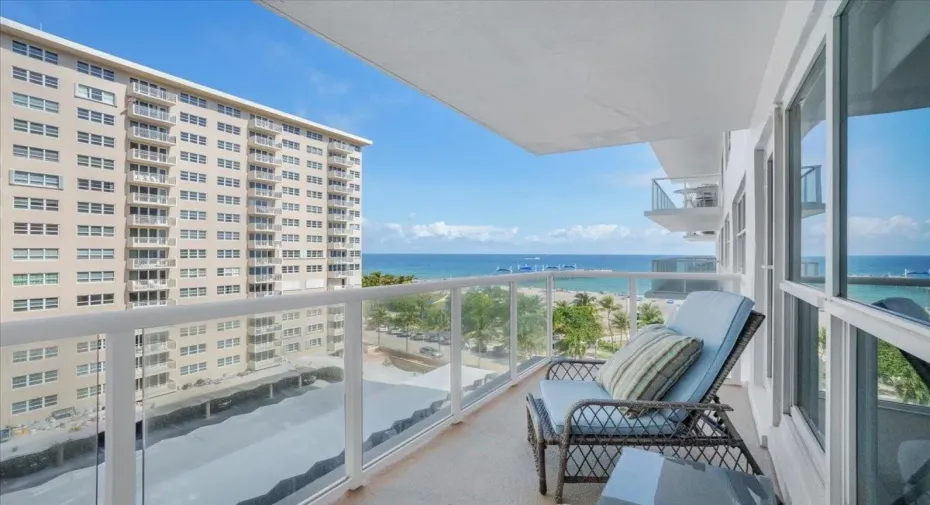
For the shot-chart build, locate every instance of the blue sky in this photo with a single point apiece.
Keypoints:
(434, 180)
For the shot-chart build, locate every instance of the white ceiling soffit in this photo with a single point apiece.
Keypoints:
(690, 156)
(563, 76)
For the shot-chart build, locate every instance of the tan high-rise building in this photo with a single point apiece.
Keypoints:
(126, 188)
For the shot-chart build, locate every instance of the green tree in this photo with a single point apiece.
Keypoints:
(382, 279)
(406, 316)
(894, 370)
(609, 305)
(377, 318)
(561, 303)
(482, 322)
(583, 299)
(621, 323)
(578, 329)
(531, 325)
(648, 313)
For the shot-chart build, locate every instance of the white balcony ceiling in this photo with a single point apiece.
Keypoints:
(563, 76)
(699, 155)
(687, 220)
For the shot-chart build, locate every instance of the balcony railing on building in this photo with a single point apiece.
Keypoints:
(152, 93)
(144, 304)
(265, 345)
(155, 347)
(339, 188)
(265, 363)
(154, 242)
(265, 227)
(151, 263)
(263, 328)
(338, 202)
(340, 261)
(150, 157)
(153, 221)
(259, 176)
(340, 161)
(339, 174)
(263, 294)
(686, 203)
(342, 147)
(264, 210)
(152, 115)
(151, 285)
(157, 390)
(153, 368)
(264, 193)
(150, 136)
(264, 244)
(152, 199)
(811, 188)
(260, 262)
(137, 177)
(262, 278)
(264, 125)
(264, 143)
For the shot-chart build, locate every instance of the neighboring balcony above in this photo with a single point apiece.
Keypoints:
(150, 157)
(153, 94)
(150, 242)
(150, 199)
(264, 159)
(335, 173)
(136, 177)
(701, 236)
(812, 202)
(264, 143)
(340, 147)
(152, 136)
(264, 244)
(264, 210)
(151, 263)
(258, 279)
(150, 221)
(259, 176)
(341, 161)
(261, 262)
(263, 125)
(264, 193)
(151, 285)
(264, 227)
(152, 115)
(686, 204)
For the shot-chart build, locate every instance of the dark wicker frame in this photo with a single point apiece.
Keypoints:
(705, 433)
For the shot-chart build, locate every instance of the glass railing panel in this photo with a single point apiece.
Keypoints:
(485, 340)
(532, 342)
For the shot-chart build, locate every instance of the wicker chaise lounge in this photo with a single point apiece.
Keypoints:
(590, 428)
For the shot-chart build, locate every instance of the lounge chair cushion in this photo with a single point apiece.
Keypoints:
(558, 396)
(716, 318)
(655, 368)
(610, 371)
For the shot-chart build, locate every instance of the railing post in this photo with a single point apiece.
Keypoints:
(120, 450)
(513, 331)
(455, 387)
(632, 307)
(353, 350)
(550, 287)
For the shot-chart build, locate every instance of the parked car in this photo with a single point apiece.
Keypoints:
(431, 352)
(432, 337)
(418, 336)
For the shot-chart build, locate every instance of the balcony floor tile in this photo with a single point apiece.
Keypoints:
(486, 460)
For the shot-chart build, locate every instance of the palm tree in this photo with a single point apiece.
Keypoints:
(583, 299)
(621, 323)
(378, 317)
(481, 321)
(649, 313)
(578, 328)
(561, 304)
(608, 304)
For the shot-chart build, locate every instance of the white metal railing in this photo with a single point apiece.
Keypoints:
(264, 193)
(150, 304)
(265, 227)
(151, 157)
(337, 145)
(264, 158)
(264, 210)
(264, 176)
(153, 135)
(154, 114)
(119, 329)
(686, 192)
(152, 199)
(150, 242)
(151, 284)
(143, 220)
(149, 178)
(265, 278)
(340, 160)
(153, 92)
(264, 142)
(259, 262)
(339, 174)
(143, 263)
(264, 124)
(264, 244)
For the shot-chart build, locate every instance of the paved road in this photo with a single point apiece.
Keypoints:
(488, 361)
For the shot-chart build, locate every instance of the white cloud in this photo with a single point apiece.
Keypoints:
(324, 84)
(873, 227)
(442, 231)
(580, 233)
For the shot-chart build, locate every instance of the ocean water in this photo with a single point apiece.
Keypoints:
(442, 266)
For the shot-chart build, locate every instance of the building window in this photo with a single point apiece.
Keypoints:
(35, 103)
(35, 153)
(194, 196)
(228, 253)
(193, 234)
(35, 304)
(228, 110)
(193, 254)
(806, 155)
(228, 342)
(36, 354)
(95, 140)
(886, 105)
(227, 235)
(35, 179)
(21, 125)
(227, 199)
(38, 78)
(230, 164)
(194, 158)
(95, 231)
(95, 254)
(192, 331)
(193, 215)
(42, 402)
(38, 279)
(314, 135)
(292, 176)
(229, 325)
(224, 217)
(231, 289)
(228, 128)
(92, 185)
(193, 273)
(96, 71)
(739, 220)
(228, 360)
(193, 369)
(90, 300)
(810, 359)
(290, 129)
(315, 165)
(95, 94)
(96, 117)
(193, 138)
(193, 119)
(193, 349)
(89, 391)
(35, 254)
(193, 292)
(95, 208)
(95, 277)
(193, 100)
(34, 52)
(34, 379)
(91, 346)
(95, 162)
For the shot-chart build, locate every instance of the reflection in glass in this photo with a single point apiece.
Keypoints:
(811, 382)
(807, 155)
(486, 340)
(887, 105)
(531, 323)
(52, 413)
(893, 423)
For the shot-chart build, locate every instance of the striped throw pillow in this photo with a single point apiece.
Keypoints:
(617, 364)
(655, 368)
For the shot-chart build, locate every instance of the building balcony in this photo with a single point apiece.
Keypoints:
(150, 303)
(263, 364)
(340, 147)
(264, 244)
(263, 346)
(337, 330)
(153, 94)
(155, 347)
(337, 231)
(264, 193)
(159, 390)
(336, 317)
(686, 204)
(264, 143)
(151, 115)
(155, 368)
(150, 157)
(154, 200)
(259, 279)
(341, 261)
(148, 136)
(264, 159)
(151, 285)
(262, 329)
(342, 189)
(264, 210)
(338, 274)
(340, 161)
(150, 221)
(338, 246)
(339, 204)
(262, 262)
(812, 202)
(257, 176)
(339, 174)
(151, 263)
(263, 294)
(268, 227)
(150, 242)
(701, 236)
(338, 218)
(137, 177)
(265, 126)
